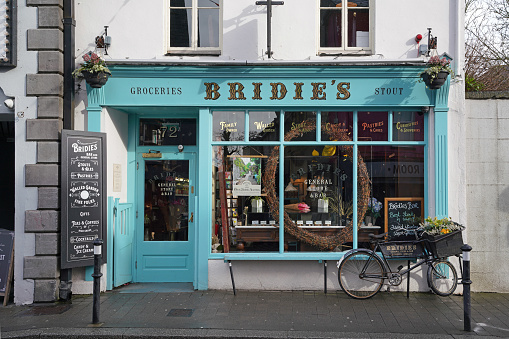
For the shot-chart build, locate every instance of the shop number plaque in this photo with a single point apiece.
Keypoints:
(83, 196)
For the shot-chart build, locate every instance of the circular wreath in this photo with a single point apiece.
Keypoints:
(363, 190)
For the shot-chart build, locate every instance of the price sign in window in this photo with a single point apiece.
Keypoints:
(166, 132)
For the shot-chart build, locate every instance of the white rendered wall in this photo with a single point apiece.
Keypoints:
(487, 157)
(12, 81)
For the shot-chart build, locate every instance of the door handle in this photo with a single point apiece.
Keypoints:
(192, 217)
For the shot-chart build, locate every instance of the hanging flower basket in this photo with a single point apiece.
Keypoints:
(437, 82)
(95, 80)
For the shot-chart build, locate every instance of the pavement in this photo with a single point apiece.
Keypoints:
(163, 311)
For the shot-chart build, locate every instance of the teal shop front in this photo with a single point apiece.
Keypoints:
(226, 153)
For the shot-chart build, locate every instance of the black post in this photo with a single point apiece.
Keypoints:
(325, 276)
(466, 288)
(69, 63)
(97, 280)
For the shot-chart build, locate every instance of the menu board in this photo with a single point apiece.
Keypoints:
(402, 216)
(6, 244)
(83, 196)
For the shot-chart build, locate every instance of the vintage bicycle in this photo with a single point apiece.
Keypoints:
(362, 272)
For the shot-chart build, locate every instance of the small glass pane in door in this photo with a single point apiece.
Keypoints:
(166, 200)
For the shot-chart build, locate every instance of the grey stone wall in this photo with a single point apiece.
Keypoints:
(47, 86)
(487, 147)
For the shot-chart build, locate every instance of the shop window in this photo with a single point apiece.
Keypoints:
(240, 198)
(317, 187)
(372, 126)
(165, 132)
(345, 26)
(195, 26)
(228, 126)
(263, 126)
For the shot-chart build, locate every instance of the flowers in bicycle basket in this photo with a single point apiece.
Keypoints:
(435, 226)
(374, 207)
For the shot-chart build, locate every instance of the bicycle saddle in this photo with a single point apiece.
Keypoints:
(377, 236)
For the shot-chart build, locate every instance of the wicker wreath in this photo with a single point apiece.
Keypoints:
(363, 190)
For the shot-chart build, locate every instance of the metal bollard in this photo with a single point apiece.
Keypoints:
(97, 280)
(466, 288)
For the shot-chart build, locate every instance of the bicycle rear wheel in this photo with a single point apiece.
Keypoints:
(360, 275)
(442, 277)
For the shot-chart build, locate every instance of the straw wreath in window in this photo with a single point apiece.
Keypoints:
(335, 132)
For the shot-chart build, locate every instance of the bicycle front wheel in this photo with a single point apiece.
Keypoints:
(361, 275)
(442, 277)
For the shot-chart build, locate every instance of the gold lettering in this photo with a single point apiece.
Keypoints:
(343, 92)
(212, 90)
(257, 90)
(275, 91)
(298, 91)
(236, 91)
(318, 93)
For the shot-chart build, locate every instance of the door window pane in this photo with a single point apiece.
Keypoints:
(166, 200)
(164, 132)
(372, 126)
(263, 126)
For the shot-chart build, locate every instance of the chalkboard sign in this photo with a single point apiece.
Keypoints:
(402, 216)
(6, 257)
(83, 196)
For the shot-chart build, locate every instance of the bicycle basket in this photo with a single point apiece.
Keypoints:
(402, 249)
(446, 245)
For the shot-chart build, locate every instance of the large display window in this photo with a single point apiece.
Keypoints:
(298, 181)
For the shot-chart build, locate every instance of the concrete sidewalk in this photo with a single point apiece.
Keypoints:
(259, 314)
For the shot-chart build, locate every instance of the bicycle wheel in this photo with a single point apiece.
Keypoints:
(360, 275)
(442, 277)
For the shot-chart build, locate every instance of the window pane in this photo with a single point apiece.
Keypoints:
(264, 126)
(242, 171)
(163, 132)
(337, 126)
(208, 3)
(372, 126)
(300, 126)
(330, 28)
(181, 3)
(228, 126)
(408, 126)
(208, 28)
(358, 28)
(358, 3)
(331, 3)
(180, 27)
(395, 171)
(318, 196)
(166, 200)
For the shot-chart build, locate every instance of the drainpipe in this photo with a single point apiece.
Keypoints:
(65, 291)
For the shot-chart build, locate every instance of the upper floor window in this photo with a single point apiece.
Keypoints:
(345, 26)
(195, 26)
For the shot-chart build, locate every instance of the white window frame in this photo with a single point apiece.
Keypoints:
(194, 49)
(345, 50)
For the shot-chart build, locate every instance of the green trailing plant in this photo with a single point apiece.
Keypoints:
(92, 63)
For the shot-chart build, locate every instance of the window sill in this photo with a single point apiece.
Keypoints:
(186, 52)
(345, 53)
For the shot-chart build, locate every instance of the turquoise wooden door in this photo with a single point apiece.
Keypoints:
(166, 232)
(123, 243)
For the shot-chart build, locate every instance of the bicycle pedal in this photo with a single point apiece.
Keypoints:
(400, 267)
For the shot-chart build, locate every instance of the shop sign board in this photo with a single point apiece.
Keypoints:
(402, 217)
(84, 213)
(6, 245)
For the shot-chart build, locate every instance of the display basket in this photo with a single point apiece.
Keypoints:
(402, 249)
(445, 245)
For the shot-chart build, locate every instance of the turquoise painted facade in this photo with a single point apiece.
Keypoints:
(196, 90)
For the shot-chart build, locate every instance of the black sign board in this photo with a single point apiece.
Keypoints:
(402, 216)
(6, 244)
(83, 196)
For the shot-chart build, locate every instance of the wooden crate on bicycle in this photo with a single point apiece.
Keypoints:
(402, 249)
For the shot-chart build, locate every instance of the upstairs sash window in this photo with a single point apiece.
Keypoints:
(195, 26)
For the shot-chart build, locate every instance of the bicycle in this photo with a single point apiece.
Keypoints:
(362, 272)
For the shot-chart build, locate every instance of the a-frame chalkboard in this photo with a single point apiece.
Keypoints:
(6, 263)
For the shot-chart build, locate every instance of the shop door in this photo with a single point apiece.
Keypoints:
(165, 233)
